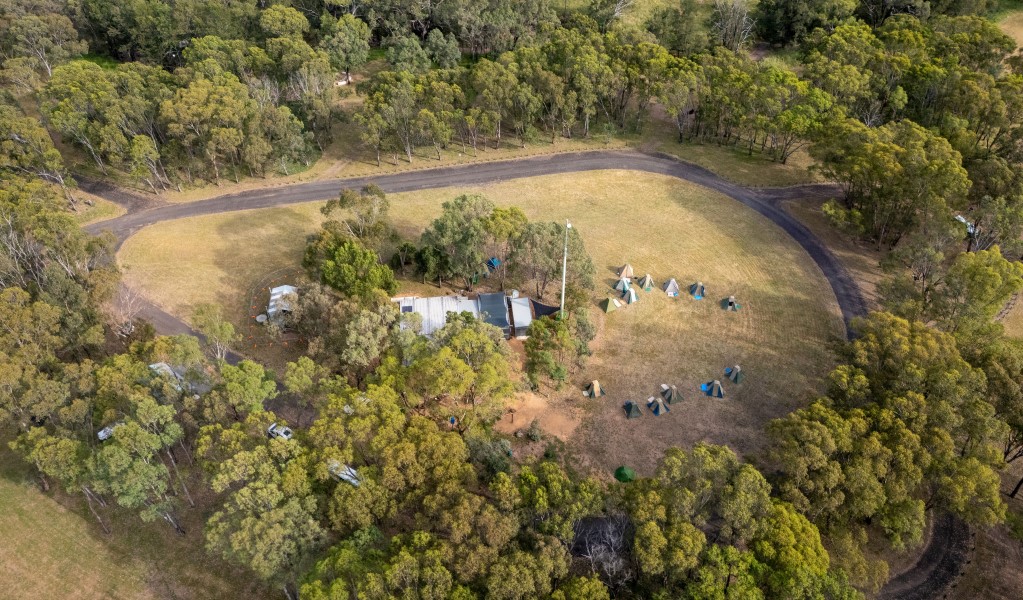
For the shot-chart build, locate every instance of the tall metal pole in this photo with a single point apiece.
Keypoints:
(564, 269)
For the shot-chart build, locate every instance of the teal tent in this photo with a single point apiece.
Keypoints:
(735, 374)
(624, 474)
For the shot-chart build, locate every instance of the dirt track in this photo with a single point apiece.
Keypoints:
(939, 563)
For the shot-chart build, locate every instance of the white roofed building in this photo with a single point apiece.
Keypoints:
(435, 310)
(280, 300)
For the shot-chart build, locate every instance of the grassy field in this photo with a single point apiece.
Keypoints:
(52, 549)
(659, 224)
(99, 210)
(1009, 16)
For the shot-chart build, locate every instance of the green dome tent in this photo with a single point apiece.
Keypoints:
(624, 474)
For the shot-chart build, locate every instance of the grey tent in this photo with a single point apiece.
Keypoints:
(735, 374)
(594, 390)
(670, 394)
(657, 406)
(697, 290)
(713, 389)
(623, 285)
(630, 296)
(646, 283)
(729, 303)
(626, 271)
(671, 288)
(632, 410)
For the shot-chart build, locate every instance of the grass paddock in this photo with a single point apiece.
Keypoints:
(660, 225)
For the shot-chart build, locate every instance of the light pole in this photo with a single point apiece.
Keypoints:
(564, 270)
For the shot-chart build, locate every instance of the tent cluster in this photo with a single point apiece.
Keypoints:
(626, 290)
(715, 390)
(658, 405)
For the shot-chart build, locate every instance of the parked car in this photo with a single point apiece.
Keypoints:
(279, 431)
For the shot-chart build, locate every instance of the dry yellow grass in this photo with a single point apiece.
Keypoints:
(1013, 320)
(661, 225)
(1011, 21)
(99, 210)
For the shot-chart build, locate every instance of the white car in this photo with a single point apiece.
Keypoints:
(107, 432)
(279, 431)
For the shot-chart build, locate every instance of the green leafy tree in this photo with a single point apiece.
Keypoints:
(460, 233)
(355, 271)
(216, 330)
(346, 41)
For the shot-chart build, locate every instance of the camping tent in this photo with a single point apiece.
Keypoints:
(609, 305)
(671, 288)
(493, 263)
(670, 394)
(697, 290)
(735, 374)
(713, 389)
(647, 283)
(630, 296)
(632, 410)
(729, 303)
(594, 390)
(624, 474)
(626, 272)
(623, 285)
(656, 406)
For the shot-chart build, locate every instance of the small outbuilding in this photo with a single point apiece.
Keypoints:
(735, 374)
(627, 272)
(280, 300)
(671, 288)
(632, 410)
(713, 389)
(646, 283)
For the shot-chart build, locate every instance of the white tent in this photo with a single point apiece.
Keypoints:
(626, 271)
(671, 288)
(630, 296)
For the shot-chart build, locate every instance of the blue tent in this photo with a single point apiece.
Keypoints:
(493, 263)
(697, 290)
(713, 389)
